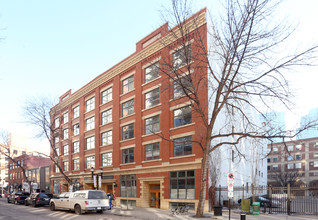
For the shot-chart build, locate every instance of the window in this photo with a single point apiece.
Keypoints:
(65, 166)
(90, 123)
(107, 95)
(182, 86)
(152, 72)
(76, 147)
(182, 146)
(65, 149)
(275, 167)
(107, 138)
(298, 147)
(152, 98)
(90, 143)
(76, 112)
(315, 163)
(275, 149)
(56, 122)
(181, 57)
(57, 170)
(128, 155)
(268, 160)
(275, 159)
(290, 148)
(128, 131)
(268, 167)
(128, 84)
(290, 166)
(57, 151)
(76, 164)
(65, 117)
(152, 151)
(56, 139)
(128, 186)
(289, 158)
(182, 184)
(90, 162)
(152, 125)
(182, 116)
(298, 157)
(65, 133)
(316, 145)
(90, 104)
(107, 116)
(298, 165)
(75, 129)
(128, 108)
(107, 159)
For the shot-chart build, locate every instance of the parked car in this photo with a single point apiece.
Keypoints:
(81, 201)
(37, 199)
(264, 201)
(17, 197)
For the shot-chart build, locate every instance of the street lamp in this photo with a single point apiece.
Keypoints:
(97, 178)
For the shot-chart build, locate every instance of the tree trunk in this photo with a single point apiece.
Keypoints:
(203, 178)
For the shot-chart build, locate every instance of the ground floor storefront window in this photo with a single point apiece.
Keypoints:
(182, 184)
(57, 187)
(128, 186)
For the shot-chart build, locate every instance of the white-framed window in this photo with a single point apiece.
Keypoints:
(181, 87)
(152, 125)
(298, 165)
(76, 147)
(65, 166)
(65, 117)
(76, 112)
(152, 72)
(298, 147)
(128, 131)
(57, 150)
(298, 156)
(128, 108)
(128, 84)
(56, 122)
(181, 56)
(316, 145)
(315, 154)
(76, 164)
(182, 116)
(107, 95)
(152, 98)
(275, 149)
(275, 167)
(128, 155)
(152, 151)
(65, 149)
(90, 162)
(315, 163)
(107, 116)
(57, 170)
(107, 138)
(275, 159)
(290, 148)
(90, 104)
(75, 129)
(90, 143)
(290, 166)
(107, 159)
(90, 123)
(65, 134)
(56, 139)
(290, 157)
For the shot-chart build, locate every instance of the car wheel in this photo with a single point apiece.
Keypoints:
(52, 206)
(99, 211)
(26, 203)
(8, 200)
(15, 202)
(33, 204)
(78, 209)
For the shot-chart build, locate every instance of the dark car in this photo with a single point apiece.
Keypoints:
(17, 197)
(264, 201)
(37, 199)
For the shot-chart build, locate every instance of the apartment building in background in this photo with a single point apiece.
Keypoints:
(295, 162)
(131, 131)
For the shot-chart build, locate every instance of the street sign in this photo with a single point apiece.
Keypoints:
(230, 194)
(230, 176)
(230, 186)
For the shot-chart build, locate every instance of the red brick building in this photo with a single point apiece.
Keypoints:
(31, 165)
(134, 128)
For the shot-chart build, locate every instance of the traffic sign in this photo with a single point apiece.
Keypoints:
(230, 176)
(230, 194)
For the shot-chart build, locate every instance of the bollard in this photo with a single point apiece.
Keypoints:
(243, 216)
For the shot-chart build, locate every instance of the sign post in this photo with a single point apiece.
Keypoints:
(230, 190)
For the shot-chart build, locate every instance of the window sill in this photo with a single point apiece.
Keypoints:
(127, 92)
(180, 67)
(151, 107)
(151, 81)
(106, 166)
(127, 164)
(89, 149)
(182, 126)
(185, 156)
(106, 124)
(105, 103)
(146, 135)
(149, 161)
(122, 141)
(107, 145)
(127, 116)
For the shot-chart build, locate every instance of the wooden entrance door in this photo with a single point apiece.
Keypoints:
(154, 195)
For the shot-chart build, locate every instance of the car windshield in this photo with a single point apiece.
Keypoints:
(26, 194)
(97, 195)
(42, 195)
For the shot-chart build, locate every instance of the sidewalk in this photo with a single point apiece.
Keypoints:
(152, 213)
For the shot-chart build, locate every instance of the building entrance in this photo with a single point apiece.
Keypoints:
(154, 195)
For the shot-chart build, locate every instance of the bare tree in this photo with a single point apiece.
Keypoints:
(242, 66)
(38, 113)
(283, 178)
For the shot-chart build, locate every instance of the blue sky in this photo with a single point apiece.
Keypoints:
(49, 47)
